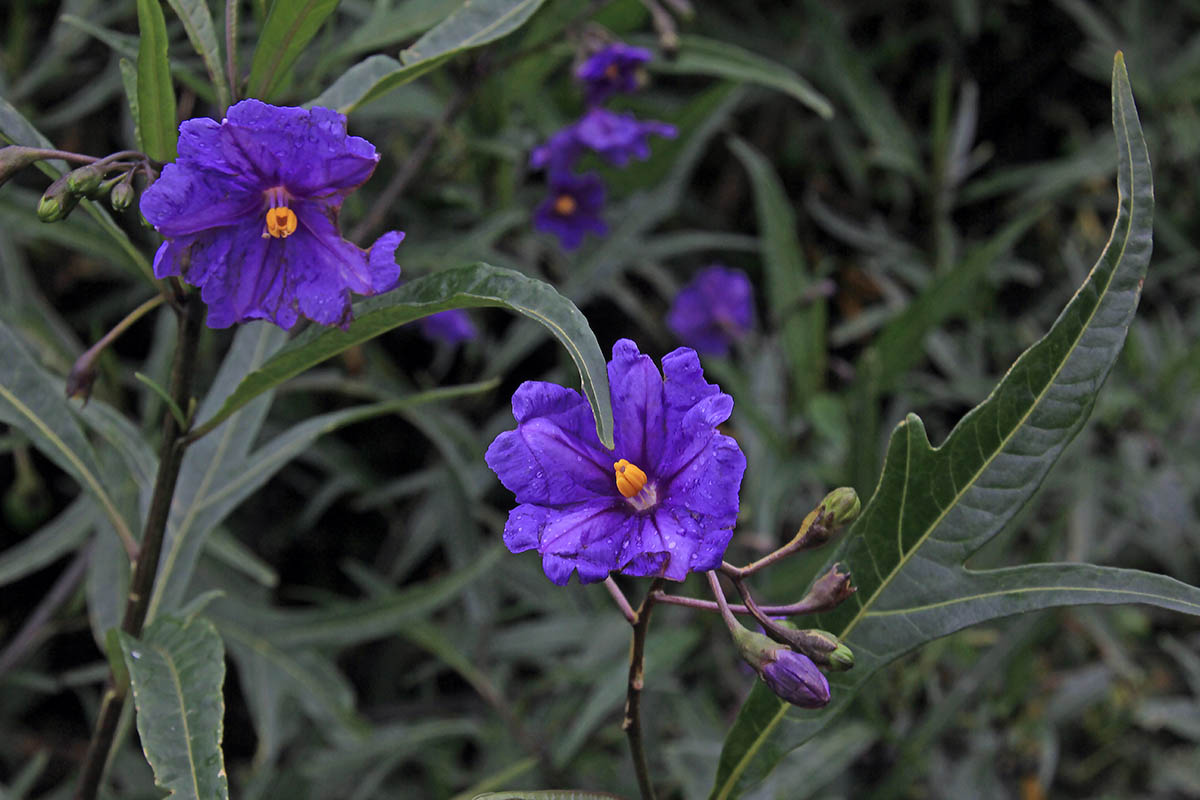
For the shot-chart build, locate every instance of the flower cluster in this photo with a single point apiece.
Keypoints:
(575, 201)
(714, 310)
(662, 502)
(249, 213)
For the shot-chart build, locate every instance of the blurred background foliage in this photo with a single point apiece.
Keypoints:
(382, 644)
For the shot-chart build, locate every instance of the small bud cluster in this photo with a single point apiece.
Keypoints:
(790, 659)
(93, 182)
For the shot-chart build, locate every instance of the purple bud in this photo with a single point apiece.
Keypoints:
(795, 678)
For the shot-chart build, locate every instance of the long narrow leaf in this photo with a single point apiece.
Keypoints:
(156, 95)
(290, 25)
(177, 669)
(477, 285)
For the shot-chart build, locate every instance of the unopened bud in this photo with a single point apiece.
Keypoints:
(829, 592)
(85, 180)
(822, 647)
(57, 202)
(122, 195)
(791, 675)
(842, 506)
(15, 158)
(82, 376)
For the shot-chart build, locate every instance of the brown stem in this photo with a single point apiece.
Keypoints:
(632, 723)
(174, 444)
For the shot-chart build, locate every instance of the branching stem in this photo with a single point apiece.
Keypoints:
(632, 723)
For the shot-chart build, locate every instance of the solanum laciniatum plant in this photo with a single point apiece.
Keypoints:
(264, 538)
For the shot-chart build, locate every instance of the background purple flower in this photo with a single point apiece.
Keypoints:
(614, 69)
(249, 213)
(572, 208)
(559, 154)
(618, 137)
(451, 327)
(714, 309)
(579, 510)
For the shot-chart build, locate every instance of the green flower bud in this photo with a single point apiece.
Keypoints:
(57, 202)
(841, 659)
(842, 506)
(122, 196)
(85, 180)
(825, 649)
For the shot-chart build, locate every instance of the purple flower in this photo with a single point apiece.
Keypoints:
(249, 213)
(616, 68)
(451, 327)
(572, 209)
(617, 137)
(559, 153)
(713, 310)
(662, 502)
(796, 679)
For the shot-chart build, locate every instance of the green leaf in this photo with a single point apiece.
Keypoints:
(209, 460)
(801, 323)
(474, 24)
(473, 286)
(198, 22)
(290, 25)
(156, 95)
(35, 403)
(934, 508)
(177, 669)
(698, 55)
(53, 540)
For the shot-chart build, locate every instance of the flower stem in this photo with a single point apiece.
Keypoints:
(708, 605)
(621, 600)
(174, 444)
(632, 723)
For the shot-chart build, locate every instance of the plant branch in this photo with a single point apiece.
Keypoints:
(141, 585)
(632, 723)
(621, 600)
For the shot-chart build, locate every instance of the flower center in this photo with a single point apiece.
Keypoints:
(612, 71)
(281, 220)
(631, 483)
(564, 206)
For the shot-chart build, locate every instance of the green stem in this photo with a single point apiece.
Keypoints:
(632, 723)
(174, 444)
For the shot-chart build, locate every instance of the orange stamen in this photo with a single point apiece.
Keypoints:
(565, 205)
(630, 479)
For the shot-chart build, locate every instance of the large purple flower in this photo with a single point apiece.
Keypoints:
(663, 502)
(714, 309)
(616, 68)
(249, 213)
(618, 137)
(572, 209)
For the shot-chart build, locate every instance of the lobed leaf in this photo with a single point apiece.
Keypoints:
(935, 507)
(176, 670)
(473, 286)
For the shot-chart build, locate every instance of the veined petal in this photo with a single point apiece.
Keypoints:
(585, 537)
(185, 201)
(706, 486)
(636, 388)
(550, 459)
(305, 150)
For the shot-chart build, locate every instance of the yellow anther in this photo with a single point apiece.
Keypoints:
(565, 205)
(281, 222)
(630, 479)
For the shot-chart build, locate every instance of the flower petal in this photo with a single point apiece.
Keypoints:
(305, 150)
(185, 201)
(583, 537)
(706, 488)
(553, 457)
(636, 388)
